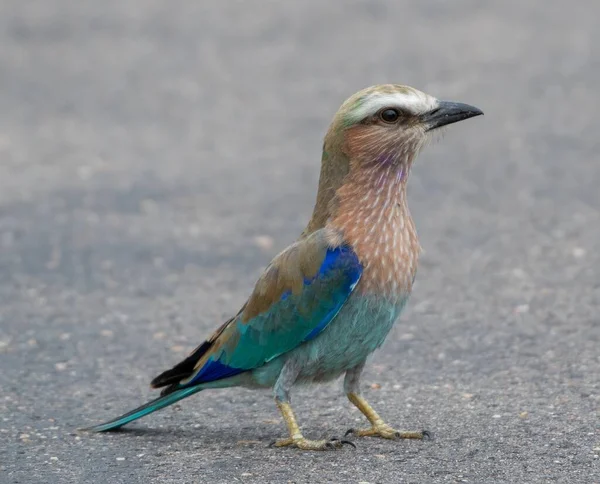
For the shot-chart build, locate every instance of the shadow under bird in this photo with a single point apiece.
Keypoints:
(329, 300)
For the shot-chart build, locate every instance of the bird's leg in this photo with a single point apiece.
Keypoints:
(286, 379)
(378, 427)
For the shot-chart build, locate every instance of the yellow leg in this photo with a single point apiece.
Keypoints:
(378, 427)
(296, 439)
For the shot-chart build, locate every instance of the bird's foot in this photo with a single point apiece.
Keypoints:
(383, 430)
(305, 444)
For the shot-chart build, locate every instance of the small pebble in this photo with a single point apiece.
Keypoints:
(194, 230)
(263, 242)
(520, 273)
(522, 309)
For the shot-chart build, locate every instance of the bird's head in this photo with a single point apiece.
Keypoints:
(388, 124)
(381, 126)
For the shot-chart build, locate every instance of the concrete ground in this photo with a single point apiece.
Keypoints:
(154, 155)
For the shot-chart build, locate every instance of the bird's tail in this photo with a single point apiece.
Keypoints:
(145, 409)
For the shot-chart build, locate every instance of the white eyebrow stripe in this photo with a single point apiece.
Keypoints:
(413, 102)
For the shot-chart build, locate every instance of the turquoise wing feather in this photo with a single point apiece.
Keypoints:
(299, 294)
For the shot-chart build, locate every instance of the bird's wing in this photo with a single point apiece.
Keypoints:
(297, 296)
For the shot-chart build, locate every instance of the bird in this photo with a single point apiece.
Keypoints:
(328, 301)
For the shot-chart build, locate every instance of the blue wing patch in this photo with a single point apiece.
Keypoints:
(348, 258)
(214, 370)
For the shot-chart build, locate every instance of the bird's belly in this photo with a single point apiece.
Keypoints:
(359, 329)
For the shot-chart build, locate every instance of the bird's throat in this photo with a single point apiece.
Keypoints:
(370, 209)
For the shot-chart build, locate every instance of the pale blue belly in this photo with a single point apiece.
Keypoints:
(359, 329)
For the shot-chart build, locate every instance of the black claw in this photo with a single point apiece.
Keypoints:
(342, 442)
(272, 444)
(348, 432)
(347, 442)
(427, 435)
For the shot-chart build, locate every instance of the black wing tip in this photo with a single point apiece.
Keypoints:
(169, 378)
(170, 389)
(182, 370)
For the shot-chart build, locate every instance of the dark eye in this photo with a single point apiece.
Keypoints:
(389, 115)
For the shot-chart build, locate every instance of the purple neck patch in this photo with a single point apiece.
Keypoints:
(390, 159)
(387, 173)
(400, 173)
(386, 158)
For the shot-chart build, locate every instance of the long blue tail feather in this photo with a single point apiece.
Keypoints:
(145, 409)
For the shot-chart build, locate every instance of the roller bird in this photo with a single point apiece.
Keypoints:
(329, 300)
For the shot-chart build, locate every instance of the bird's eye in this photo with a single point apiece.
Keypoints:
(389, 115)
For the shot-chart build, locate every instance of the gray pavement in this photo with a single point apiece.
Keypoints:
(155, 155)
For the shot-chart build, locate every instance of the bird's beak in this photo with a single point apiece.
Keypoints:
(449, 112)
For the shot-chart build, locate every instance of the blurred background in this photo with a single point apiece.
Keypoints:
(154, 156)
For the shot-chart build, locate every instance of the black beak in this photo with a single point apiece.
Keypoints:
(449, 112)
